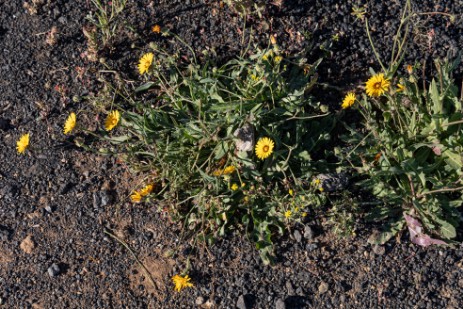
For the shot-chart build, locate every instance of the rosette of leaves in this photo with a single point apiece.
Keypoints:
(191, 123)
(410, 151)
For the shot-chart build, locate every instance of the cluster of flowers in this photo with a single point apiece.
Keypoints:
(376, 86)
(111, 122)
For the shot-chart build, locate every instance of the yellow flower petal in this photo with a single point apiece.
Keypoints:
(348, 101)
(234, 187)
(145, 63)
(181, 282)
(112, 120)
(135, 197)
(147, 190)
(70, 123)
(22, 143)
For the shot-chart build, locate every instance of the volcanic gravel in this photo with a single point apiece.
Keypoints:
(64, 212)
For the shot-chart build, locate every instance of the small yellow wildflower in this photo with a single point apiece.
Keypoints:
(348, 101)
(400, 88)
(288, 214)
(254, 77)
(316, 181)
(234, 187)
(264, 148)
(181, 282)
(147, 190)
(145, 63)
(377, 85)
(70, 123)
(112, 120)
(304, 214)
(278, 59)
(291, 192)
(156, 29)
(22, 143)
(135, 197)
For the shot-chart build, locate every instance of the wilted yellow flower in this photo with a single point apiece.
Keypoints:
(400, 88)
(181, 282)
(234, 187)
(112, 120)
(264, 148)
(22, 143)
(147, 190)
(273, 40)
(136, 197)
(145, 63)
(377, 85)
(226, 171)
(288, 214)
(70, 123)
(156, 29)
(348, 101)
(409, 69)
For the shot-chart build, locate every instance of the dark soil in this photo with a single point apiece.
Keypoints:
(57, 201)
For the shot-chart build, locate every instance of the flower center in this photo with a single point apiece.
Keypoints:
(377, 85)
(266, 148)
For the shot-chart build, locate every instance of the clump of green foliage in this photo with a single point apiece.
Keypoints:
(409, 149)
(196, 128)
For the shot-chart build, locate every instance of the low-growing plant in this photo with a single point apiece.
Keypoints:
(104, 24)
(409, 150)
(230, 146)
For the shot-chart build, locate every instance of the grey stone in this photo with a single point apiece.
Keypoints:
(241, 303)
(280, 304)
(297, 235)
(54, 270)
(308, 233)
(379, 250)
(199, 301)
(290, 288)
(323, 287)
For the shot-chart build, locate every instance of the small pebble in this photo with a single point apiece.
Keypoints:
(297, 235)
(199, 301)
(241, 303)
(54, 270)
(280, 304)
(323, 287)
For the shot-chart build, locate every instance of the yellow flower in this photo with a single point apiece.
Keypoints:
(348, 101)
(70, 123)
(145, 63)
(112, 120)
(156, 29)
(287, 214)
(147, 190)
(278, 59)
(264, 148)
(400, 88)
(226, 171)
(135, 197)
(181, 282)
(22, 143)
(377, 85)
(273, 40)
(254, 77)
(234, 187)
(291, 192)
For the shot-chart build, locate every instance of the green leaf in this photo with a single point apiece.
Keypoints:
(453, 159)
(446, 229)
(144, 87)
(434, 92)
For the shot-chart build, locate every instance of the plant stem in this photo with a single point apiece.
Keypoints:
(373, 46)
